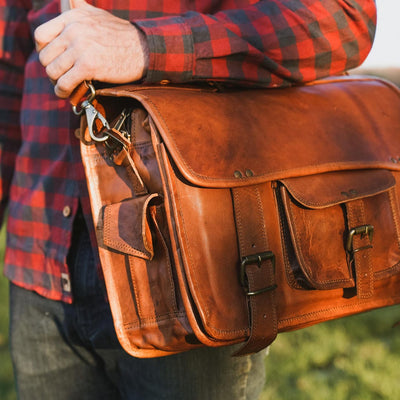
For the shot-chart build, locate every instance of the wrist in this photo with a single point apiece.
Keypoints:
(144, 46)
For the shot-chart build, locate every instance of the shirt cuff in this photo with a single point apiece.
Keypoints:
(171, 49)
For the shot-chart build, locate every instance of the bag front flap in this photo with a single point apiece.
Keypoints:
(239, 138)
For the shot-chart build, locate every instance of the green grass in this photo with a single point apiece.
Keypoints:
(355, 358)
(6, 376)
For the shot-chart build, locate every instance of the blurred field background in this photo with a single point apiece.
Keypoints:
(6, 376)
(356, 358)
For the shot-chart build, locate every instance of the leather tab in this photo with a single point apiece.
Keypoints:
(118, 235)
(260, 273)
(359, 248)
(78, 93)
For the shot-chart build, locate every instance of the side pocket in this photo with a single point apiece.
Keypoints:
(340, 229)
(132, 227)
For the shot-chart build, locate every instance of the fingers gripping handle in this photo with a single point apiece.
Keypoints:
(80, 91)
(79, 104)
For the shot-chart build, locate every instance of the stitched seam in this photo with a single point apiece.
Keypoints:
(388, 272)
(271, 294)
(393, 201)
(369, 282)
(151, 320)
(261, 216)
(338, 308)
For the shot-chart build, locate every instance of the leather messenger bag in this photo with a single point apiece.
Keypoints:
(229, 216)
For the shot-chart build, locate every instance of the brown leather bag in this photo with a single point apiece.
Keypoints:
(226, 217)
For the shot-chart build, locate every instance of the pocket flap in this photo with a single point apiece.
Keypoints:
(126, 226)
(324, 190)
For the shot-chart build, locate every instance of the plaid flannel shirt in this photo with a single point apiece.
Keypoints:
(269, 43)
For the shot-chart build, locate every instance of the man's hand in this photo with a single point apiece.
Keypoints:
(88, 43)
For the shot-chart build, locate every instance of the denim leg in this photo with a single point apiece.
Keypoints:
(49, 360)
(202, 374)
(51, 348)
(71, 352)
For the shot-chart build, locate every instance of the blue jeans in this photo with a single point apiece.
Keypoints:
(70, 352)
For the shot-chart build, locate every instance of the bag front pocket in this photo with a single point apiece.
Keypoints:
(340, 230)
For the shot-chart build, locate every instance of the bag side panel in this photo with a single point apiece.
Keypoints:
(146, 326)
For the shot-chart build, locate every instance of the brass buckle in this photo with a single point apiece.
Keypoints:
(362, 231)
(256, 259)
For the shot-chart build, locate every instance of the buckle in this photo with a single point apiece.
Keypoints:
(363, 230)
(256, 259)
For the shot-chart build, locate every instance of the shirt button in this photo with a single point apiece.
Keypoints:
(66, 211)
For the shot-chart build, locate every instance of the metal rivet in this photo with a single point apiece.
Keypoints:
(66, 211)
(249, 172)
(237, 174)
(394, 160)
(165, 82)
(345, 194)
(353, 192)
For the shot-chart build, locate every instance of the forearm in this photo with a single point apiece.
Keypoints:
(268, 43)
(272, 42)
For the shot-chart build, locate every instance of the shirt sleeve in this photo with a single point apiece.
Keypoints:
(268, 43)
(15, 46)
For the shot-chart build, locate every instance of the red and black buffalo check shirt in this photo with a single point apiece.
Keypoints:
(269, 43)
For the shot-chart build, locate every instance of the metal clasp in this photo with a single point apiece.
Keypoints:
(364, 230)
(256, 259)
(92, 115)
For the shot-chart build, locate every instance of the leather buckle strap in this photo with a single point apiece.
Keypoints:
(257, 270)
(359, 245)
(256, 259)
